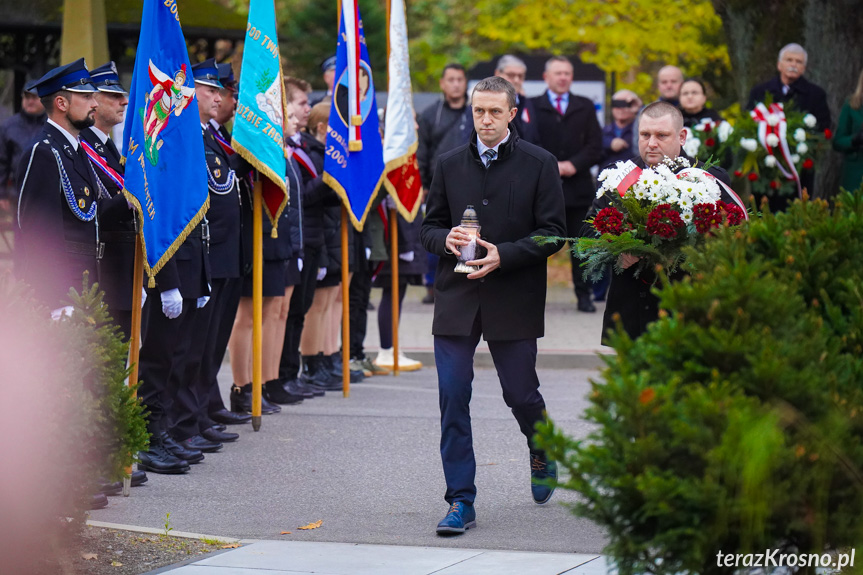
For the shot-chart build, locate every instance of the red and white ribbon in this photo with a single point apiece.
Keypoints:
(702, 174)
(100, 163)
(761, 114)
(350, 13)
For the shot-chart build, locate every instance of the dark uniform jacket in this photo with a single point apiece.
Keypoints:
(57, 214)
(631, 296)
(574, 136)
(526, 120)
(516, 198)
(116, 229)
(17, 135)
(223, 217)
(806, 96)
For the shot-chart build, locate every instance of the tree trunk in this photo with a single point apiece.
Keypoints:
(832, 29)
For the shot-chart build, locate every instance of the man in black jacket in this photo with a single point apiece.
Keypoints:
(790, 86)
(17, 135)
(568, 128)
(514, 70)
(660, 135)
(515, 189)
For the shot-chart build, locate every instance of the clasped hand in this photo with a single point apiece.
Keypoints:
(458, 237)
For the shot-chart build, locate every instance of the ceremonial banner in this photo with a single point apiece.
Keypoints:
(353, 165)
(400, 134)
(166, 170)
(258, 134)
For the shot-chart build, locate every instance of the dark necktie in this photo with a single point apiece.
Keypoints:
(489, 156)
(112, 149)
(559, 105)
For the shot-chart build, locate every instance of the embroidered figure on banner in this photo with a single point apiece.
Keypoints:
(168, 96)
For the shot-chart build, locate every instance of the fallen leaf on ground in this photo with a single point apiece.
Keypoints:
(89, 556)
(116, 564)
(285, 533)
(314, 525)
(231, 546)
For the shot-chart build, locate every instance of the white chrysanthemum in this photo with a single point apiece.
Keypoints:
(810, 121)
(686, 216)
(691, 146)
(770, 161)
(723, 131)
(685, 202)
(654, 195)
(600, 192)
(640, 193)
(795, 158)
(772, 119)
(772, 140)
(802, 148)
(800, 135)
(748, 144)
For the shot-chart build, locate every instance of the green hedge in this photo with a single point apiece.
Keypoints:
(734, 423)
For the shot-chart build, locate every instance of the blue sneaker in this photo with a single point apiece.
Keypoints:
(541, 470)
(459, 518)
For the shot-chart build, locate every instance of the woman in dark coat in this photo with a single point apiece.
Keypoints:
(693, 98)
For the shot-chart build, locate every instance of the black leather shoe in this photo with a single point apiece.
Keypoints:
(159, 460)
(294, 387)
(314, 374)
(585, 305)
(217, 436)
(241, 401)
(333, 364)
(225, 417)
(98, 501)
(139, 478)
(275, 392)
(111, 489)
(199, 443)
(177, 450)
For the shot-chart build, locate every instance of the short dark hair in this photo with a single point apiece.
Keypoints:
(48, 101)
(499, 85)
(661, 109)
(454, 66)
(697, 81)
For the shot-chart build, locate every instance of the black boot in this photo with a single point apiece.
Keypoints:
(275, 392)
(241, 401)
(158, 459)
(333, 364)
(315, 375)
(297, 387)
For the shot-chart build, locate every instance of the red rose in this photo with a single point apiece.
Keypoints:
(808, 163)
(709, 142)
(828, 134)
(752, 176)
(738, 174)
(707, 127)
(774, 184)
(610, 221)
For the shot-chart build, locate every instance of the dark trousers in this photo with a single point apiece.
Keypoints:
(574, 221)
(515, 361)
(123, 319)
(385, 310)
(301, 301)
(223, 325)
(162, 343)
(358, 295)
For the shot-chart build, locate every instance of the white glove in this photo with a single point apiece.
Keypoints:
(61, 311)
(368, 253)
(143, 297)
(322, 273)
(202, 301)
(407, 256)
(172, 303)
(300, 264)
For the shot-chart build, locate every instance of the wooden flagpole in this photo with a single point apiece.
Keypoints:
(257, 301)
(394, 238)
(346, 309)
(135, 339)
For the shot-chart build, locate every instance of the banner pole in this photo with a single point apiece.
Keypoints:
(257, 302)
(394, 271)
(135, 336)
(346, 309)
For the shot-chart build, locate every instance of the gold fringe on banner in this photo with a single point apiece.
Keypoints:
(409, 215)
(267, 171)
(335, 185)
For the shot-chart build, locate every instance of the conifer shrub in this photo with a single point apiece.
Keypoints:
(735, 422)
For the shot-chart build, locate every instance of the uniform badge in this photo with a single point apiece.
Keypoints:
(82, 203)
(86, 191)
(218, 173)
(218, 161)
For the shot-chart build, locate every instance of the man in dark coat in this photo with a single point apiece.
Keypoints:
(790, 86)
(514, 70)
(515, 189)
(568, 128)
(17, 135)
(116, 219)
(58, 202)
(630, 299)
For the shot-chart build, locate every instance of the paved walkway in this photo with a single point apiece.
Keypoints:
(368, 466)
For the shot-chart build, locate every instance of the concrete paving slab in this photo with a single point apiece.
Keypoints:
(502, 563)
(596, 566)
